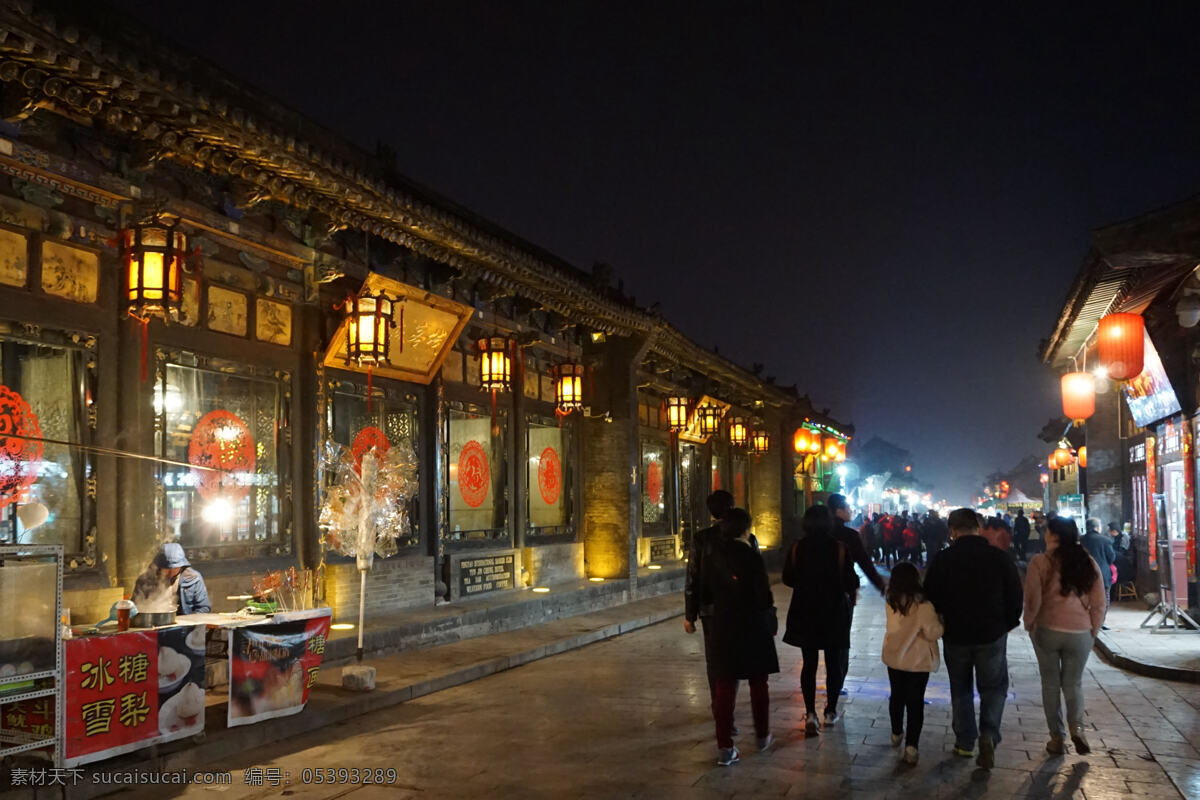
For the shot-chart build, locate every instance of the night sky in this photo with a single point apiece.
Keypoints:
(884, 204)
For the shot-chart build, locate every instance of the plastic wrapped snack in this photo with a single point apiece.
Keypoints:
(365, 509)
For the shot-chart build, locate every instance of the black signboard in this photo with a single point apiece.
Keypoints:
(662, 549)
(486, 574)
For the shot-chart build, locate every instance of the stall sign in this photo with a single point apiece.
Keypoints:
(273, 667)
(34, 717)
(130, 690)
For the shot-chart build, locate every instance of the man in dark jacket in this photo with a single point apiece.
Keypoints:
(1101, 549)
(857, 554)
(696, 605)
(977, 590)
(1021, 534)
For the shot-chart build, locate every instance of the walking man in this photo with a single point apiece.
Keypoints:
(1021, 534)
(696, 603)
(1100, 548)
(977, 590)
(856, 554)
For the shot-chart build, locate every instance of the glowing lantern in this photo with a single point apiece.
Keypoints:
(1044, 478)
(831, 448)
(802, 440)
(1120, 340)
(841, 452)
(739, 433)
(677, 413)
(369, 330)
(495, 364)
(568, 387)
(710, 419)
(1082, 458)
(1052, 460)
(154, 254)
(1078, 396)
(760, 442)
(1062, 457)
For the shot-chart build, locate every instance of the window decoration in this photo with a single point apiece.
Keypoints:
(21, 450)
(548, 476)
(475, 473)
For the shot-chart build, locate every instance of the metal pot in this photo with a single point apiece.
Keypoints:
(153, 619)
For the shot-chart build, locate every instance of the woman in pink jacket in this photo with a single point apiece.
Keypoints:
(910, 650)
(1064, 609)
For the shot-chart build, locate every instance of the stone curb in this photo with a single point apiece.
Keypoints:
(1113, 654)
(326, 708)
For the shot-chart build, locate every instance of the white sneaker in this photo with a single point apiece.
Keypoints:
(765, 742)
(910, 755)
(897, 738)
(727, 757)
(831, 718)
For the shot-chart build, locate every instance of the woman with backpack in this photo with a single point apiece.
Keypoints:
(910, 650)
(821, 575)
(1064, 609)
(743, 622)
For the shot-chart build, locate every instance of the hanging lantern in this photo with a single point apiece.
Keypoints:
(831, 448)
(370, 319)
(801, 440)
(739, 433)
(1044, 478)
(495, 364)
(1062, 457)
(814, 443)
(154, 254)
(677, 413)
(841, 452)
(760, 442)
(710, 419)
(1121, 342)
(568, 387)
(1052, 460)
(1082, 456)
(1078, 396)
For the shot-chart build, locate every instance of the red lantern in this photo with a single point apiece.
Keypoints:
(1083, 458)
(1078, 395)
(831, 448)
(801, 440)
(1062, 457)
(1121, 341)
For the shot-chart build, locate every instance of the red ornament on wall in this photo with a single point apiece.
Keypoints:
(222, 441)
(549, 476)
(367, 438)
(474, 474)
(654, 482)
(20, 459)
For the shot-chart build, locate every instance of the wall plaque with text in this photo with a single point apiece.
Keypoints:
(662, 549)
(492, 573)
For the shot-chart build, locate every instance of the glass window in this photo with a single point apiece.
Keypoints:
(392, 414)
(549, 477)
(54, 382)
(654, 477)
(229, 423)
(739, 481)
(476, 470)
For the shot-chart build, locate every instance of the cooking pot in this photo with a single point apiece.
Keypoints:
(153, 619)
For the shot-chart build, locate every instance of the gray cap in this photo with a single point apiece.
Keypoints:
(171, 556)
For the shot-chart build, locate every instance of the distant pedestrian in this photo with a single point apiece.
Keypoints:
(997, 532)
(977, 590)
(1064, 609)
(910, 651)
(1100, 548)
(821, 573)
(1021, 530)
(911, 538)
(1037, 534)
(934, 534)
(743, 622)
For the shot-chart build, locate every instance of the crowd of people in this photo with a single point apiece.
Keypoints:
(968, 598)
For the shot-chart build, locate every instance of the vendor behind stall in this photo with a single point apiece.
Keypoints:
(170, 579)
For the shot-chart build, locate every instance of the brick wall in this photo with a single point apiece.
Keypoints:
(765, 500)
(90, 605)
(393, 584)
(606, 497)
(554, 563)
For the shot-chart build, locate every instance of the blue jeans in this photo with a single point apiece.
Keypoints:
(985, 666)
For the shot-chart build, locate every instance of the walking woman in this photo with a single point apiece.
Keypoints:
(821, 576)
(743, 630)
(1064, 609)
(910, 650)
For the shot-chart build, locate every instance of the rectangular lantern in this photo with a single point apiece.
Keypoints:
(568, 387)
(154, 254)
(495, 364)
(760, 442)
(739, 432)
(369, 330)
(677, 413)
(710, 419)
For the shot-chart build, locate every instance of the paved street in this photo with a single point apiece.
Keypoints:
(629, 718)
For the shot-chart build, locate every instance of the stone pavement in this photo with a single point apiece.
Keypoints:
(1162, 655)
(628, 717)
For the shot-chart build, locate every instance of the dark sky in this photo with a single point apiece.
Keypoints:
(884, 204)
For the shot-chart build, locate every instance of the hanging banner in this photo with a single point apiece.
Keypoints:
(127, 691)
(1151, 506)
(273, 667)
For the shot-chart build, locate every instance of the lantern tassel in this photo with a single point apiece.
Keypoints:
(369, 389)
(144, 322)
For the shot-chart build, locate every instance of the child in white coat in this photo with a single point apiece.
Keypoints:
(910, 650)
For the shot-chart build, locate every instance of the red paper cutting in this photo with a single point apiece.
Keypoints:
(474, 474)
(367, 438)
(654, 482)
(20, 459)
(221, 440)
(549, 476)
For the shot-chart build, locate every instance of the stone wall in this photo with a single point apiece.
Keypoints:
(766, 505)
(554, 563)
